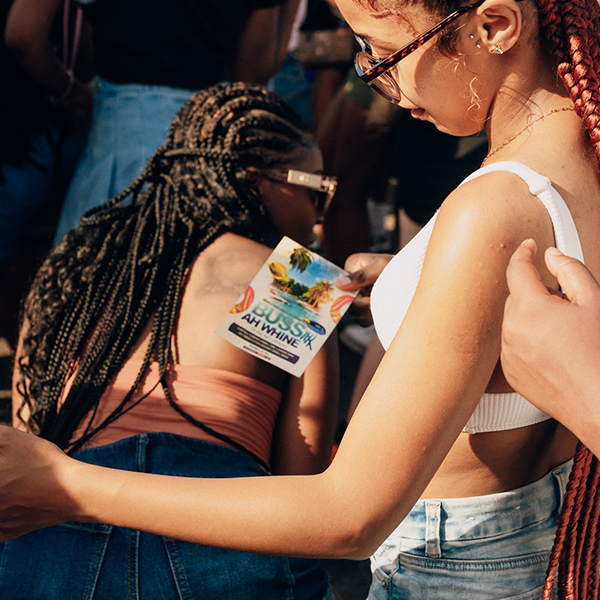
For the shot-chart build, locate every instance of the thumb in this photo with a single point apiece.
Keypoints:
(364, 269)
(353, 281)
(575, 280)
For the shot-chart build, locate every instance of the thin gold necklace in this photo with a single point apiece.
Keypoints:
(514, 137)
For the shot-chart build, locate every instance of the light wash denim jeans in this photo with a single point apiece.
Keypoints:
(85, 561)
(130, 122)
(486, 548)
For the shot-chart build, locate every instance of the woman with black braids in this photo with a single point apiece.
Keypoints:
(450, 477)
(120, 363)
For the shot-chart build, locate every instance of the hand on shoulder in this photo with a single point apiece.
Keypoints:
(550, 340)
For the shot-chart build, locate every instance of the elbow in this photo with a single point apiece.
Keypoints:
(354, 541)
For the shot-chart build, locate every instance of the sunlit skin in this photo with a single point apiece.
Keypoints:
(405, 439)
(424, 76)
(488, 462)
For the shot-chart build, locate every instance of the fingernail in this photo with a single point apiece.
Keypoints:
(554, 251)
(343, 281)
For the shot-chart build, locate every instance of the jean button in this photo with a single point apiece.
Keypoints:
(384, 585)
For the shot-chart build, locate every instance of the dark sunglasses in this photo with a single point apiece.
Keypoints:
(376, 72)
(323, 187)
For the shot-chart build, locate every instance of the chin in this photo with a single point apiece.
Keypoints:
(462, 129)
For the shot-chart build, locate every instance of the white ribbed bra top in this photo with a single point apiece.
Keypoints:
(394, 290)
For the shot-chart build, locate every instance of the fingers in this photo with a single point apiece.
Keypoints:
(360, 310)
(576, 282)
(522, 275)
(364, 269)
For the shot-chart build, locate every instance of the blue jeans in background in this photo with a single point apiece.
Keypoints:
(130, 122)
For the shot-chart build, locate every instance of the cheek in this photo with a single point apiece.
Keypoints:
(448, 91)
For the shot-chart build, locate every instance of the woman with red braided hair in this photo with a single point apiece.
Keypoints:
(451, 479)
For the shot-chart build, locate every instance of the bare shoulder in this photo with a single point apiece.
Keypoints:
(480, 225)
(496, 210)
(499, 200)
(231, 261)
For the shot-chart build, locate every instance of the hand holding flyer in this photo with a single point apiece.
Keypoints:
(289, 309)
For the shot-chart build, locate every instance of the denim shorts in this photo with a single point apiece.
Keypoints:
(130, 122)
(84, 561)
(487, 547)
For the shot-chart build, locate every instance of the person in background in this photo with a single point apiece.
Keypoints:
(450, 479)
(40, 143)
(150, 57)
(113, 370)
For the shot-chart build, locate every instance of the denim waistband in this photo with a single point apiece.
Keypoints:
(486, 516)
(171, 454)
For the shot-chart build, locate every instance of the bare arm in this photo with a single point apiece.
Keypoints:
(262, 47)
(27, 36)
(427, 386)
(306, 423)
(551, 343)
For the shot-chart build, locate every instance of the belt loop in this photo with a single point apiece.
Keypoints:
(433, 511)
(561, 478)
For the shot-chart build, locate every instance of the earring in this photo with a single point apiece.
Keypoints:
(495, 49)
(472, 37)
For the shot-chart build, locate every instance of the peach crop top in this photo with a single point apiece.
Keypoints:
(394, 290)
(238, 406)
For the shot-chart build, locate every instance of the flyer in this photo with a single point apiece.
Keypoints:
(289, 309)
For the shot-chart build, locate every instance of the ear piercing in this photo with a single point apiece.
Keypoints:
(495, 49)
(472, 37)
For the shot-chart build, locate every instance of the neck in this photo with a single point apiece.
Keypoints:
(518, 111)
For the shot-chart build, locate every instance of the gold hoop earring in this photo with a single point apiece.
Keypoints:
(495, 49)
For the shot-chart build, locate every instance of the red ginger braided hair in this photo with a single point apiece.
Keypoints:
(572, 28)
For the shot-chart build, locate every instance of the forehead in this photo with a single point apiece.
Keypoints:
(408, 22)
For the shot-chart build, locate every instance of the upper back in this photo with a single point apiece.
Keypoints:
(214, 283)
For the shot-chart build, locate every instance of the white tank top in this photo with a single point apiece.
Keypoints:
(394, 290)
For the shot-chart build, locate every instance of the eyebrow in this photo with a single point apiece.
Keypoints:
(371, 39)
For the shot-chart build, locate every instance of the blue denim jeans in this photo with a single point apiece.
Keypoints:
(31, 194)
(487, 547)
(294, 83)
(87, 561)
(130, 122)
